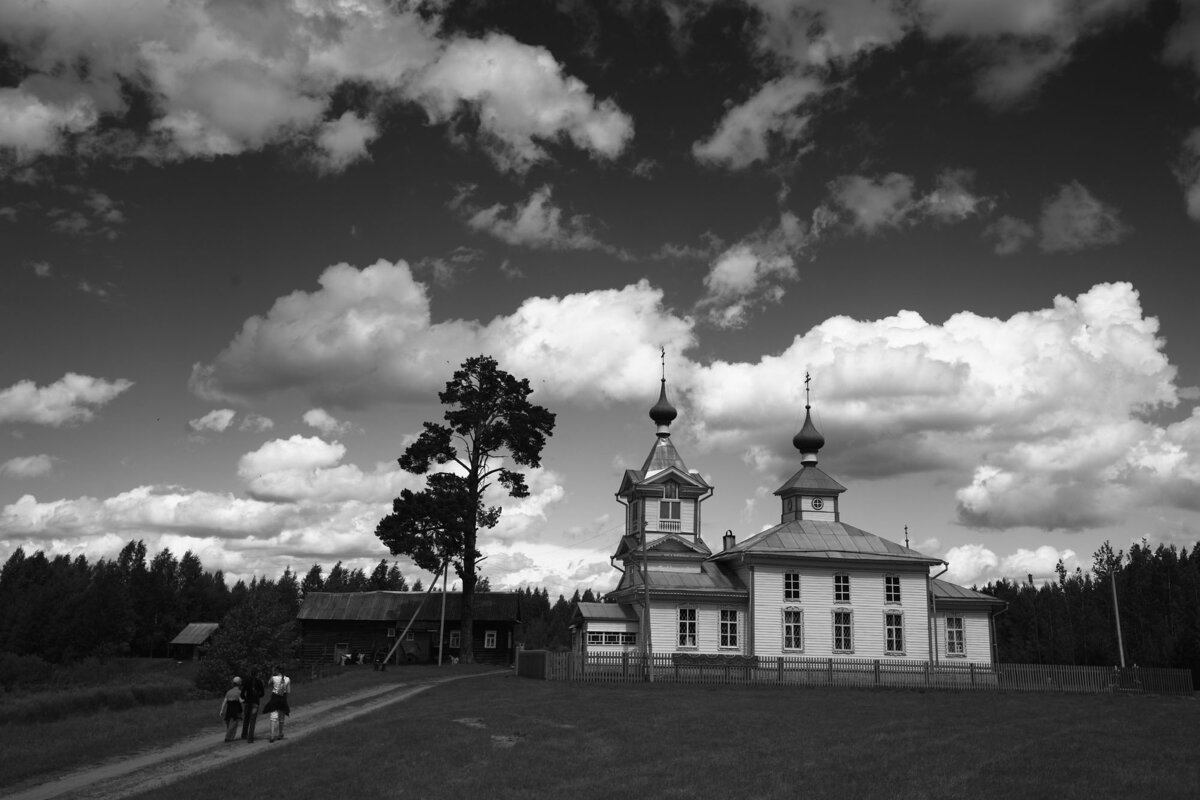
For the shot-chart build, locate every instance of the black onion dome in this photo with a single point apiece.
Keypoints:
(809, 439)
(663, 412)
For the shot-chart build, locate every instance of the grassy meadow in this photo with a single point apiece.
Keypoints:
(507, 737)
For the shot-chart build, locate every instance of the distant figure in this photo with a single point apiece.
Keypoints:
(277, 706)
(252, 692)
(231, 710)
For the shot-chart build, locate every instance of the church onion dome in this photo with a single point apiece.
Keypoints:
(663, 413)
(809, 440)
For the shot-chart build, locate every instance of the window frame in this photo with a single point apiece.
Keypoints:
(798, 623)
(728, 629)
(490, 636)
(455, 640)
(791, 587)
(893, 633)
(686, 628)
(841, 594)
(891, 597)
(960, 647)
(848, 644)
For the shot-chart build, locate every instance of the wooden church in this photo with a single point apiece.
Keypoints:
(811, 586)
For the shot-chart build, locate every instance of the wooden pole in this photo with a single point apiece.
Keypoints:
(421, 605)
(1117, 618)
(442, 626)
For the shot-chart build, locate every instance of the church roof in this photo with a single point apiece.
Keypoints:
(662, 455)
(670, 545)
(811, 478)
(711, 579)
(818, 539)
(944, 590)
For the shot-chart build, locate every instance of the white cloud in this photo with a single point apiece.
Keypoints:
(325, 422)
(28, 466)
(63, 402)
(752, 273)
(1009, 234)
(539, 223)
(870, 205)
(230, 78)
(521, 98)
(975, 564)
(1183, 42)
(744, 135)
(42, 269)
(256, 423)
(366, 336)
(1075, 220)
(217, 420)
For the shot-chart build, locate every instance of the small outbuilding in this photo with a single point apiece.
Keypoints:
(193, 641)
(360, 627)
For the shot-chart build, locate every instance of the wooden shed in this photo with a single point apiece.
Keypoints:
(192, 642)
(358, 627)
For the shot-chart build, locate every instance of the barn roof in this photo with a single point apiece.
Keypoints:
(196, 633)
(390, 606)
(819, 539)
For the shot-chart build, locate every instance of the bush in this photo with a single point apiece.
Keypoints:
(18, 670)
(50, 706)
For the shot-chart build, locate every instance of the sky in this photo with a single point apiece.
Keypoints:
(243, 245)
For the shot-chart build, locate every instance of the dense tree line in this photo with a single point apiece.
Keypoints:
(547, 627)
(1071, 620)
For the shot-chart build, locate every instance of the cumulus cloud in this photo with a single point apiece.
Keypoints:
(216, 420)
(366, 336)
(1040, 416)
(974, 564)
(539, 223)
(1183, 42)
(1188, 170)
(256, 423)
(1074, 219)
(27, 466)
(870, 205)
(231, 78)
(71, 399)
(752, 273)
(745, 134)
(325, 422)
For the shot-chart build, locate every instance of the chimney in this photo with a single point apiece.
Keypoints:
(728, 541)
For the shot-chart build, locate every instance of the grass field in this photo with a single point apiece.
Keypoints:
(507, 737)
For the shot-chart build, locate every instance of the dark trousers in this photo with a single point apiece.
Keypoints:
(249, 717)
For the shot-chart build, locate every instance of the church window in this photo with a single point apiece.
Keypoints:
(843, 631)
(841, 588)
(668, 507)
(687, 627)
(793, 629)
(893, 633)
(791, 586)
(891, 588)
(956, 640)
(729, 627)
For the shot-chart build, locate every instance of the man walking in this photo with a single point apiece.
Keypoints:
(252, 692)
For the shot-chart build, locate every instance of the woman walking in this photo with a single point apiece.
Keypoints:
(231, 710)
(277, 706)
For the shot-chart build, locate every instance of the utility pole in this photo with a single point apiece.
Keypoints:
(1117, 615)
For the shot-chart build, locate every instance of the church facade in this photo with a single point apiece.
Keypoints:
(811, 586)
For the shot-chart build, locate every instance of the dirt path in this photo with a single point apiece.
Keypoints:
(204, 751)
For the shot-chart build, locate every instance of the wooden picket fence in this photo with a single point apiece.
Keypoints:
(846, 672)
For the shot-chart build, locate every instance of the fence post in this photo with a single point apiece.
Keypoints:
(926, 673)
(831, 672)
(779, 668)
(877, 672)
(972, 666)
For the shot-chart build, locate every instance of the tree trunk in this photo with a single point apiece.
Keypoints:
(466, 652)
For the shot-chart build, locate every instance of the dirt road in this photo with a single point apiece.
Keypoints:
(157, 768)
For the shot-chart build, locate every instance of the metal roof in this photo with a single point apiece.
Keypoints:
(606, 611)
(943, 590)
(812, 479)
(196, 633)
(663, 455)
(390, 606)
(825, 540)
(710, 578)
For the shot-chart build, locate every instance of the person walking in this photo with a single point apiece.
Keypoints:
(231, 710)
(277, 706)
(252, 692)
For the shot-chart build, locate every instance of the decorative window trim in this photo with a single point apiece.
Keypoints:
(791, 587)
(612, 638)
(893, 633)
(455, 639)
(847, 644)
(727, 631)
(798, 638)
(686, 628)
(956, 647)
(841, 594)
(891, 590)
(671, 490)
(489, 640)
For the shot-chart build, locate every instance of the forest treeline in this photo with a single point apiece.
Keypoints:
(1071, 620)
(62, 609)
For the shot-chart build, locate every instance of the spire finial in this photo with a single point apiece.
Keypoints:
(663, 412)
(906, 536)
(807, 378)
(809, 440)
(662, 355)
